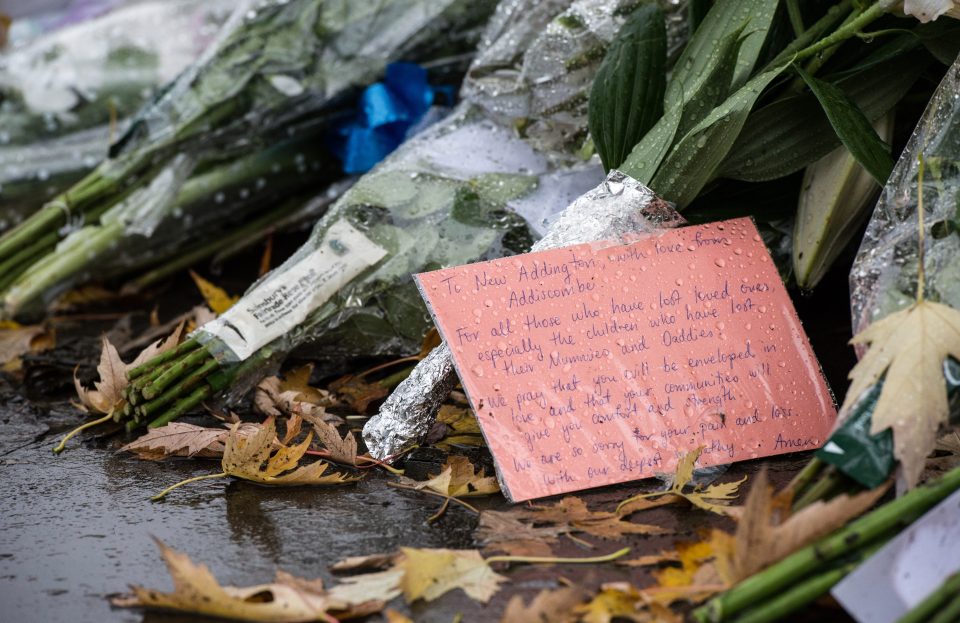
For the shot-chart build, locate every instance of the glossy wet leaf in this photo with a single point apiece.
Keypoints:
(626, 98)
(253, 459)
(853, 127)
(459, 478)
(341, 449)
(571, 515)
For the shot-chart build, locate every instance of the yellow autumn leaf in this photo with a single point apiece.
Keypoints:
(711, 498)
(459, 480)
(429, 573)
(250, 458)
(216, 297)
(704, 570)
(907, 350)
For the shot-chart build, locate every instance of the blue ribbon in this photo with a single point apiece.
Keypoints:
(388, 110)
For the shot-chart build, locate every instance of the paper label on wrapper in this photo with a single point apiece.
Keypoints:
(277, 305)
(592, 365)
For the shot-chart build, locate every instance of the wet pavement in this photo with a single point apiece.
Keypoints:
(76, 528)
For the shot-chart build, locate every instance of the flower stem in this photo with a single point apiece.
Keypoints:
(163, 493)
(934, 602)
(63, 442)
(553, 560)
(849, 29)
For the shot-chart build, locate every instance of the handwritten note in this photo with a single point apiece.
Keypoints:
(592, 365)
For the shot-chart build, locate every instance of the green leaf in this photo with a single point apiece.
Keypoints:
(725, 17)
(694, 159)
(708, 90)
(853, 127)
(644, 160)
(627, 94)
(788, 134)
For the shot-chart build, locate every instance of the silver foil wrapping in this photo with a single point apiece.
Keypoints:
(617, 211)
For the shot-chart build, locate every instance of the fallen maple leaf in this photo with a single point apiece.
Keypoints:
(341, 449)
(712, 498)
(907, 350)
(501, 531)
(17, 340)
(547, 606)
(216, 297)
(288, 599)
(572, 514)
(429, 573)
(455, 426)
(767, 532)
(185, 440)
(459, 479)
(250, 458)
(108, 391)
(196, 590)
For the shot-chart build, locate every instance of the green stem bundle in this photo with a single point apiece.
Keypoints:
(864, 532)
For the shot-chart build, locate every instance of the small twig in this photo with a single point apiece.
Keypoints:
(388, 364)
(160, 495)
(553, 560)
(398, 485)
(578, 540)
(921, 285)
(437, 515)
(63, 442)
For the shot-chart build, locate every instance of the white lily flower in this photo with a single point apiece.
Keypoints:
(929, 10)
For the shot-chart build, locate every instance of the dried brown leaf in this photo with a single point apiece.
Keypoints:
(185, 440)
(342, 450)
(16, 341)
(159, 346)
(357, 392)
(572, 514)
(196, 591)
(365, 563)
(765, 536)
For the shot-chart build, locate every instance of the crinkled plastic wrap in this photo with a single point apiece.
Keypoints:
(251, 115)
(469, 188)
(59, 91)
(883, 279)
(616, 212)
(884, 275)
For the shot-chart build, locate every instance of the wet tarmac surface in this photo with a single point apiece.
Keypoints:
(77, 528)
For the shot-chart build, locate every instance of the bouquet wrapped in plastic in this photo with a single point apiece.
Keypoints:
(469, 188)
(246, 122)
(887, 277)
(61, 93)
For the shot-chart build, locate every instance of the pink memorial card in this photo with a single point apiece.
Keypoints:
(591, 365)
